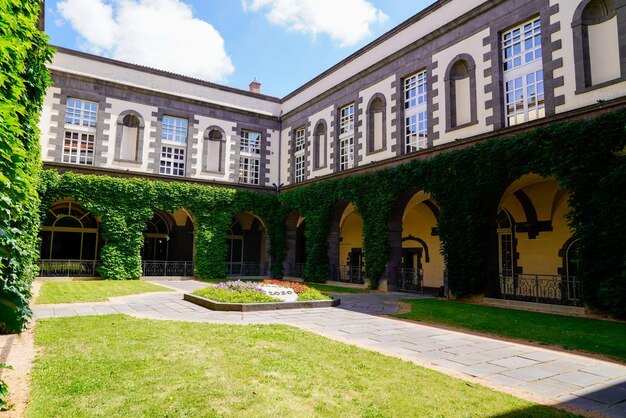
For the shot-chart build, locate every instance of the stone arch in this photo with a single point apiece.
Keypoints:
(461, 101)
(129, 137)
(376, 123)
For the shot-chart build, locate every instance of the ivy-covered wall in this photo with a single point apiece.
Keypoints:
(585, 157)
(23, 82)
(127, 204)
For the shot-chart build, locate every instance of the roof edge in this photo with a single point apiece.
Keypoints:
(382, 38)
(164, 73)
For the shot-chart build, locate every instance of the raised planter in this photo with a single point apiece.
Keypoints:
(251, 307)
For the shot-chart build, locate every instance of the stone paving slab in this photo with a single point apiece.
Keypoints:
(527, 371)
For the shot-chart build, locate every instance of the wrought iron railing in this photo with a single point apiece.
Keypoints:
(348, 274)
(167, 268)
(247, 269)
(409, 280)
(540, 288)
(68, 268)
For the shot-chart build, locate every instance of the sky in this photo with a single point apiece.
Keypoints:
(280, 43)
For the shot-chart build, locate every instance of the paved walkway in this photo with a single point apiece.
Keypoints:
(531, 372)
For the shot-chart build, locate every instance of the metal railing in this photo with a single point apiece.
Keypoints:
(68, 268)
(409, 280)
(540, 288)
(348, 274)
(247, 269)
(167, 268)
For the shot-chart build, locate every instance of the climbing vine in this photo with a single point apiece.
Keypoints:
(126, 205)
(585, 157)
(23, 82)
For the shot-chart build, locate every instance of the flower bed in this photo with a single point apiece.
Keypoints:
(240, 295)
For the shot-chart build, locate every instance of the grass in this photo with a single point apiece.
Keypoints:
(94, 290)
(583, 334)
(319, 286)
(118, 366)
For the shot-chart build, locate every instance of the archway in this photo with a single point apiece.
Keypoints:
(532, 234)
(295, 257)
(168, 244)
(70, 242)
(247, 246)
(345, 244)
(416, 262)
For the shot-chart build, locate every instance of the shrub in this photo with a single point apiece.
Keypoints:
(229, 296)
(4, 389)
(313, 294)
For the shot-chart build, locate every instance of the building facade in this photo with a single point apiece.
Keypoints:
(459, 73)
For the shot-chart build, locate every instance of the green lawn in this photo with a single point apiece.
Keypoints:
(118, 366)
(94, 290)
(592, 335)
(319, 286)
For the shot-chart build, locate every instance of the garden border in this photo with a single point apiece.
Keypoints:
(255, 307)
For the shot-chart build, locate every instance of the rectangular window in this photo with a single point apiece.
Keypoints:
(346, 153)
(346, 120)
(346, 137)
(250, 142)
(81, 113)
(249, 161)
(415, 112)
(81, 118)
(174, 138)
(299, 155)
(523, 73)
(78, 148)
(172, 161)
(249, 169)
(174, 129)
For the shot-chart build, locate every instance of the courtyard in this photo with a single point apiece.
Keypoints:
(151, 353)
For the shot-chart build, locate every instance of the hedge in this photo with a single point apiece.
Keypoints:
(23, 83)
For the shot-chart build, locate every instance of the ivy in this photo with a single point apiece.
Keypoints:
(23, 83)
(586, 158)
(126, 205)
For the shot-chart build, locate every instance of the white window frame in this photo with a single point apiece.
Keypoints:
(250, 157)
(249, 170)
(522, 66)
(346, 137)
(174, 132)
(299, 155)
(172, 161)
(79, 138)
(415, 112)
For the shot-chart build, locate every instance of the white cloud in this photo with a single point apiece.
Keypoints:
(346, 21)
(158, 33)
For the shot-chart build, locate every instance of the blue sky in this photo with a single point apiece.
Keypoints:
(281, 43)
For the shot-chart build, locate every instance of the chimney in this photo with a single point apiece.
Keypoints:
(255, 87)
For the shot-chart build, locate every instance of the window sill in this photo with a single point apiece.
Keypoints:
(378, 151)
(319, 168)
(212, 172)
(600, 86)
(120, 160)
(465, 125)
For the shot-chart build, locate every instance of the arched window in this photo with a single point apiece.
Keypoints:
(213, 154)
(156, 239)
(129, 137)
(461, 93)
(506, 243)
(376, 121)
(599, 57)
(319, 146)
(69, 233)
